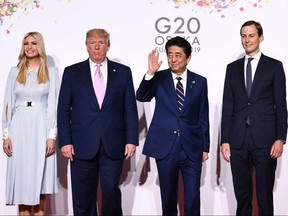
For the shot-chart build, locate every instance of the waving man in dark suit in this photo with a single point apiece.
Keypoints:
(178, 137)
(97, 126)
(254, 121)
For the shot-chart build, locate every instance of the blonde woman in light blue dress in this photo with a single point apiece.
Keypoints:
(30, 129)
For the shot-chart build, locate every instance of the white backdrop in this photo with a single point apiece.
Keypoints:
(136, 28)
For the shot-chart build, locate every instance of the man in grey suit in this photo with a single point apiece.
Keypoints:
(254, 121)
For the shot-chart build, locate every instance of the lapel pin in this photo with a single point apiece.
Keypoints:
(191, 84)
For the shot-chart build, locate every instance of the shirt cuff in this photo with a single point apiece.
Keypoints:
(52, 133)
(148, 76)
(5, 133)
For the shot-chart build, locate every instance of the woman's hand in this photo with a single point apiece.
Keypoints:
(7, 147)
(50, 147)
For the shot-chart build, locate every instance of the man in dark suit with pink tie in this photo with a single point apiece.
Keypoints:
(97, 125)
(178, 137)
(254, 121)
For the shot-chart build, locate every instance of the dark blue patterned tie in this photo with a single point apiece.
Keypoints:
(180, 93)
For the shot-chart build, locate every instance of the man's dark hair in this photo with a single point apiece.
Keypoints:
(180, 42)
(257, 25)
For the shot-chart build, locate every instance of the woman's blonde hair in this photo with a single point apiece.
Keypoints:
(43, 75)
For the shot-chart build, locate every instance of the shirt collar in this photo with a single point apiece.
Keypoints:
(94, 64)
(183, 75)
(256, 56)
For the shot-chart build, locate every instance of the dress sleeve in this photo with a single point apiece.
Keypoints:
(9, 102)
(52, 102)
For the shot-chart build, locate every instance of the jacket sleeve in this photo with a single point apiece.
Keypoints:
(52, 102)
(9, 102)
(280, 101)
(227, 108)
(146, 90)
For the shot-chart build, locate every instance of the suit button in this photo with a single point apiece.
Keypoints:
(248, 104)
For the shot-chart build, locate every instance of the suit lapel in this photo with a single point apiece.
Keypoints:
(88, 82)
(240, 75)
(258, 75)
(111, 79)
(168, 84)
(190, 86)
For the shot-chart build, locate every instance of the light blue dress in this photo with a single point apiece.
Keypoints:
(29, 172)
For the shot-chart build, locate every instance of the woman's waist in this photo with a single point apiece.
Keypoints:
(30, 104)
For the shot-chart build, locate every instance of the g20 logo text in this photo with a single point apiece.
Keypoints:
(167, 29)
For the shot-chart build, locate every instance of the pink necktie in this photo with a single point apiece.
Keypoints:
(99, 85)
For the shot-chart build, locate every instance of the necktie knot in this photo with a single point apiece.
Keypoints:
(250, 59)
(98, 68)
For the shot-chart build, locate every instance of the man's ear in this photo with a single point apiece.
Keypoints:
(261, 38)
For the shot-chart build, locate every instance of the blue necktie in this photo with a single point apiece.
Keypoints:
(180, 93)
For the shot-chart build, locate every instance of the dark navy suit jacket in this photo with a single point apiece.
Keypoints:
(266, 107)
(192, 123)
(81, 122)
